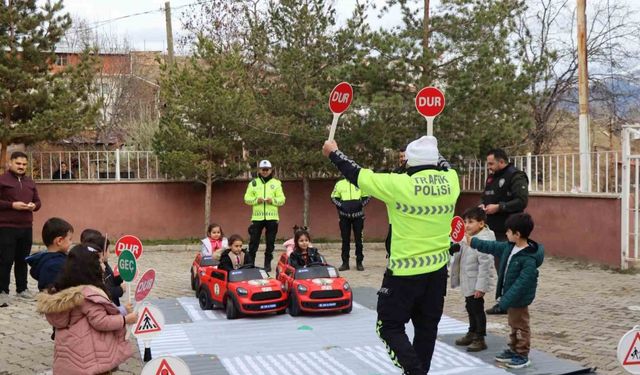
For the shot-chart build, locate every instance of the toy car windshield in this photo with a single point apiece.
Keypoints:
(248, 274)
(208, 261)
(316, 272)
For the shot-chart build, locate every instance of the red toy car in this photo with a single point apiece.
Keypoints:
(245, 291)
(315, 288)
(200, 264)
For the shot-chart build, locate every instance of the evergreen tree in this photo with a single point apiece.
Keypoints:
(208, 109)
(36, 105)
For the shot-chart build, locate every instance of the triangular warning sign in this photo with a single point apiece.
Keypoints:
(147, 323)
(164, 368)
(633, 355)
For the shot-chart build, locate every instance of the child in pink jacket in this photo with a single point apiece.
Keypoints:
(290, 244)
(90, 331)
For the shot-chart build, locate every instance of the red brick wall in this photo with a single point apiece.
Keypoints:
(585, 228)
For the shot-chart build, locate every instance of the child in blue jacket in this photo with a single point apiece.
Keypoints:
(517, 282)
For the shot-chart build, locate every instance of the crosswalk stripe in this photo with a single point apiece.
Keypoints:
(316, 357)
(249, 360)
(209, 314)
(361, 358)
(265, 365)
(371, 354)
(228, 365)
(287, 363)
(242, 365)
(295, 358)
(193, 313)
(336, 363)
(312, 363)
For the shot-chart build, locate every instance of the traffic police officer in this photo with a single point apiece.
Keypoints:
(350, 203)
(264, 194)
(420, 205)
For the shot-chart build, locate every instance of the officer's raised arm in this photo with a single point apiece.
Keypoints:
(349, 168)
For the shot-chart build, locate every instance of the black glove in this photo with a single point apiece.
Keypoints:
(454, 248)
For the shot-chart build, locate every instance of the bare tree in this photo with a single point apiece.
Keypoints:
(548, 50)
(125, 85)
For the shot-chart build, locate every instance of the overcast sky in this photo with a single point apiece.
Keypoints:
(147, 31)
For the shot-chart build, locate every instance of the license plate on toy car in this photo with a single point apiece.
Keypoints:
(327, 287)
(267, 307)
(329, 304)
(267, 289)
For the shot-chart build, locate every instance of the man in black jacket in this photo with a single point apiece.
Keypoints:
(506, 192)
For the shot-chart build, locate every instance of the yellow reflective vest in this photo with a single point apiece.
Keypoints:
(420, 209)
(258, 188)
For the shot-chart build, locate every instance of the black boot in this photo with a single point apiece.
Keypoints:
(344, 266)
(495, 310)
(359, 266)
(267, 265)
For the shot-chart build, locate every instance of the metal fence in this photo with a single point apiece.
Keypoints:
(113, 165)
(553, 173)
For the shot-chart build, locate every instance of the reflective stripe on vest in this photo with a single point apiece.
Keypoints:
(419, 262)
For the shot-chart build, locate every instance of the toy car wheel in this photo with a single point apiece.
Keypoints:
(294, 308)
(232, 311)
(348, 309)
(204, 299)
(196, 286)
(193, 281)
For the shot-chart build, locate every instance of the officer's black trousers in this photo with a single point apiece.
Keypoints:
(255, 232)
(346, 224)
(418, 298)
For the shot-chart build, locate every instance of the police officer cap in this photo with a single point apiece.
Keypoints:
(423, 151)
(264, 164)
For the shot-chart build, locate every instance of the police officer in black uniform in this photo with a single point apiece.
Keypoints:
(506, 192)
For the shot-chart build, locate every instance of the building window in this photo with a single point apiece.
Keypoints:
(61, 60)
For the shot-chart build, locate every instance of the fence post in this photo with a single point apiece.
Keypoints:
(529, 169)
(624, 204)
(118, 164)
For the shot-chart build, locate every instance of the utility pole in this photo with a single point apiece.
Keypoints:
(583, 93)
(425, 42)
(167, 15)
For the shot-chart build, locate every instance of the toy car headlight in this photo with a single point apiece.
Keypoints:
(302, 288)
(346, 286)
(242, 291)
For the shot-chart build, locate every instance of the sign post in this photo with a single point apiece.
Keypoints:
(339, 101)
(127, 267)
(430, 103)
(150, 323)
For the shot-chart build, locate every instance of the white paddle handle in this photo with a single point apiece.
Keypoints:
(429, 125)
(334, 123)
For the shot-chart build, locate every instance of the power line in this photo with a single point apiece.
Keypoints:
(99, 24)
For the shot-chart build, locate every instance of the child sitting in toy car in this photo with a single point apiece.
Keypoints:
(235, 256)
(303, 254)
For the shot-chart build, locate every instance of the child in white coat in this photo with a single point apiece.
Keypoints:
(474, 273)
(215, 243)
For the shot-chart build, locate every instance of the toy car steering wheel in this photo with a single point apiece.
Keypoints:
(315, 264)
(246, 266)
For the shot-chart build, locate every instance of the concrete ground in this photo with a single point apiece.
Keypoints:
(580, 313)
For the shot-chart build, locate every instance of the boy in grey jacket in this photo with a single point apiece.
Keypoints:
(474, 273)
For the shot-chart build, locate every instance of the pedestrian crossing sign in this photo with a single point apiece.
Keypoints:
(164, 368)
(150, 323)
(166, 365)
(629, 351)
(633, 354)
